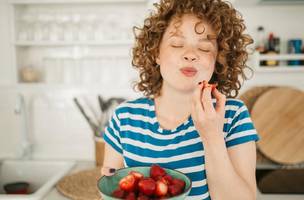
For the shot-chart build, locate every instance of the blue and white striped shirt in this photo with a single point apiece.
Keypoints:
(134, 132)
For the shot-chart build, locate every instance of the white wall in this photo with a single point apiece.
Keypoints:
(6, 60)
(58, 129)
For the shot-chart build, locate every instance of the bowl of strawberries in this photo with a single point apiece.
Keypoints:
(145, 183)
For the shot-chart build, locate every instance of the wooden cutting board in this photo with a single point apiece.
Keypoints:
(278, 116)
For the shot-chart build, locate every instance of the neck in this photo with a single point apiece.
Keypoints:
(177, 103)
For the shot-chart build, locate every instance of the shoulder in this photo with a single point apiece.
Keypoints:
(234, 106)
(134, 105)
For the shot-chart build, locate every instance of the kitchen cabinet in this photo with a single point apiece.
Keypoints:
(73, 43)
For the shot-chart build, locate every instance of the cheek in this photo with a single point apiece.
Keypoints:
(208, 62)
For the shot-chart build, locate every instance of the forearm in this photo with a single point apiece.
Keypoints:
(223, 180)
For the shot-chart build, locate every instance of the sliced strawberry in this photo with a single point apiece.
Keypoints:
(147, 186)
(161, 188)
(137, 175)
(131, 196)
(157, 171)
(167, 179)
(127, 183)
(118, 193)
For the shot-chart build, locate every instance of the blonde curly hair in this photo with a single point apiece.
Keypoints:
(228, 26)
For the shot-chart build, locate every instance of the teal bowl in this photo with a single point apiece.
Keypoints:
(107, 184)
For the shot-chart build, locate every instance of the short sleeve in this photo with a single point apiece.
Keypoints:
(241, 129)
(112, 133)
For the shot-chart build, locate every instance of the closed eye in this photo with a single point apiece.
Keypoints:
(176, 46)
(204, 50)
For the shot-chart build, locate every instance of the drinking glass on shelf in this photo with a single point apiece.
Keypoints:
(99, 28)
(54, 28)
(45, 19)
(61, 20)
(75, 26)
(27, 20)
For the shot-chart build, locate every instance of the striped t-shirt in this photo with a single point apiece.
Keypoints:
(134, 132)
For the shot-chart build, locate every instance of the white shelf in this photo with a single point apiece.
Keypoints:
(257, 58)
(280, 69)
(282, 57)
(72, 1)
(78, 43)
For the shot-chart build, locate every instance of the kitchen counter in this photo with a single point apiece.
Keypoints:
(54, 194)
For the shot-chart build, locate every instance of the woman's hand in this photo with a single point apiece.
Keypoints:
(208, 121)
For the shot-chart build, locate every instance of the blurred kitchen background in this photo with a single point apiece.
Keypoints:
(53, 51)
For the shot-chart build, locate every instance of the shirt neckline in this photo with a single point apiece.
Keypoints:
(163, 130)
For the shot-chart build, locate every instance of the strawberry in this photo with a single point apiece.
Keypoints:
(127, 183)
(137, 175)
(161, 188)
(167, 179)
(175, 190)
(157, 171)
(179, 182)
(177, 187)
(143, 197)
(131, 196)
(118, 193)
(147, 186)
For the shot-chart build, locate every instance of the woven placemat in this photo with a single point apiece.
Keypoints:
(249, 97)
(81, 185)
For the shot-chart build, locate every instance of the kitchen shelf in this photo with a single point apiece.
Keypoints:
(257, 58)
(78, 43)
(280, 69)
(282, 57)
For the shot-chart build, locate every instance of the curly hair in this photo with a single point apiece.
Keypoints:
(228, 26)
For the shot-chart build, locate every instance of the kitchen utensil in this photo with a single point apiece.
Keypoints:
(107, 184)
(278, 116)
(92, 125)
(249, 98)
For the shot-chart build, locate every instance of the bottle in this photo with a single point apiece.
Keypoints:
(260, 43)
(272, 49)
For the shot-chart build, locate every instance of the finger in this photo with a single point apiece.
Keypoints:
(220, 101)
(207, 99)
(196, 99)
(107, 171)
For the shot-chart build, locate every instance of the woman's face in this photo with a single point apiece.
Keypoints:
(187, 53)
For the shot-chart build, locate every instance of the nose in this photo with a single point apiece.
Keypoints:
(190, 56)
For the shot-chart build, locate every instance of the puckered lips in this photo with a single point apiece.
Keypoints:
(188, 71)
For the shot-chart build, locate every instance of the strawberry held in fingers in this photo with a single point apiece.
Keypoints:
(206, 84)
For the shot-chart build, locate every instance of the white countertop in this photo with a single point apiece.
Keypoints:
(55, 195)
